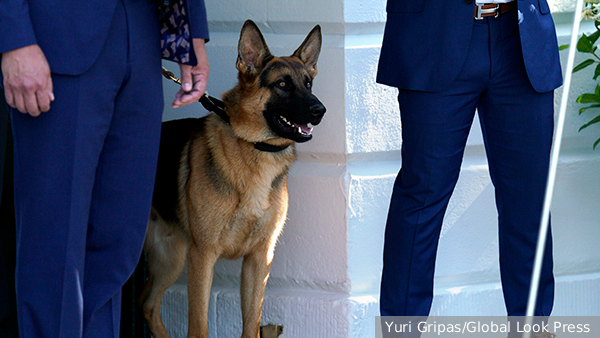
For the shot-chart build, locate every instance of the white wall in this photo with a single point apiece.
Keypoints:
(325, 276)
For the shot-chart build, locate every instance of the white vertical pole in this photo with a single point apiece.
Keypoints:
(544, 224)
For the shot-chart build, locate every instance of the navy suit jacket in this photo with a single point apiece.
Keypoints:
(426, 43)
(71, 44)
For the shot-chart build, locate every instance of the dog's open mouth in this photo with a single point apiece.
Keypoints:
(294, 128)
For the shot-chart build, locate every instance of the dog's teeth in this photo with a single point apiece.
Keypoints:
(310, 126)
(289, 123)
(300, 130)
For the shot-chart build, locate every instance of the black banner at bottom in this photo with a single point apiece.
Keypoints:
(487, 327)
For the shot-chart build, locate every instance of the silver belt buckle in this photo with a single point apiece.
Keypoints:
(480, 10)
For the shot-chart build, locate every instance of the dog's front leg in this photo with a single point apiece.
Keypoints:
(255, 272)
(200, 275)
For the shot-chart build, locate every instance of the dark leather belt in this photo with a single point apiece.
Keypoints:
(486, 10)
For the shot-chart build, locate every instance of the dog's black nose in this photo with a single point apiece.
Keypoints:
(317, 109)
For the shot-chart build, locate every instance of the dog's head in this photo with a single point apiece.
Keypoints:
(274, 94)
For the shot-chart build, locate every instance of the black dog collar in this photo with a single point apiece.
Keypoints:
(262, 146)
(217, 106)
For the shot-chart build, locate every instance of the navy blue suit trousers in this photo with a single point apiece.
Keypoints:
(84, 174)
(517, 125)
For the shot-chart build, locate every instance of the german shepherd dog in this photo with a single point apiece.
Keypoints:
(221, 188)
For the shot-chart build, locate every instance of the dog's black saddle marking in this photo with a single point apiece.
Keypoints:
(174, 136)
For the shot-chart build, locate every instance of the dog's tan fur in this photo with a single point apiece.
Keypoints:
(232, 198)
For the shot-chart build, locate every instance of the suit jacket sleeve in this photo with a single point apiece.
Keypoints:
(198, 19)
(16, 29)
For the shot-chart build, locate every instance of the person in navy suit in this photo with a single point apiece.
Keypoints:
(449, 59)
(83, 79)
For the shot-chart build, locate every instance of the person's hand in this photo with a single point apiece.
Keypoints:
(27, 80)
(193, 78)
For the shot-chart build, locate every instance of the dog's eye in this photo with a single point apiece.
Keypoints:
(282, 84)
(309, 85)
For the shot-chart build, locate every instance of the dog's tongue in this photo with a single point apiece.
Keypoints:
(305, 129)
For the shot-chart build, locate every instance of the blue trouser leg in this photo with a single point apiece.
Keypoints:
(83, 184)
(517, 129)
(432, 150)
(517, 124)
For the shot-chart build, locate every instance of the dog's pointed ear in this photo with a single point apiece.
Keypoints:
(310, 49)
(253, 52)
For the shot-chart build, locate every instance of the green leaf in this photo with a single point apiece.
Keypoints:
(588, 98)
(563, 47)
(594, 36)
(584, 44)
(597, 72)
(596, 143)
(588, 107)
(583, 65)
(594, 121)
